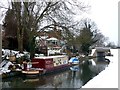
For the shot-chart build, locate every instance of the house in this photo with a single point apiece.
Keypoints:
(49, 46)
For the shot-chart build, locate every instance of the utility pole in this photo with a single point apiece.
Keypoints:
(0, 43)
(0, 54)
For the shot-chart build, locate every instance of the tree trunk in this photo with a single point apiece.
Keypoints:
(20, 39)
(32, 47)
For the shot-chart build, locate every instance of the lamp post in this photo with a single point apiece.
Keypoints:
(0, 54)
(0, 43)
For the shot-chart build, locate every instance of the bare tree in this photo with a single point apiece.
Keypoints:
(34, 17)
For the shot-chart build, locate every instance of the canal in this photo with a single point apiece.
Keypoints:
(75, 77)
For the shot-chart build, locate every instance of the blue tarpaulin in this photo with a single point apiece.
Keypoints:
(73, 59)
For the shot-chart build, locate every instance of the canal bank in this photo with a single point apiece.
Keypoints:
(108, 78)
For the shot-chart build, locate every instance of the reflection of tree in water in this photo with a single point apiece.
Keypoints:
(19, 82)
(74, 74)
(5, 85)
(86, 74)
(12, 82)
(56, 80)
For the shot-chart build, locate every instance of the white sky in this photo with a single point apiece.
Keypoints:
(105, 14)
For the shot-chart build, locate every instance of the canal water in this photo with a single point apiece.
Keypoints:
(75, 77)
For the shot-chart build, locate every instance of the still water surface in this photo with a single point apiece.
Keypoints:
(65, 79)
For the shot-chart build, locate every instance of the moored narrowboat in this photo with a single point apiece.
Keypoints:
(51, 63)
(29, 71)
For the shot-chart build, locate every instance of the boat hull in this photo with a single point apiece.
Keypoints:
(31, 73)
(51, 64)
(57, 69)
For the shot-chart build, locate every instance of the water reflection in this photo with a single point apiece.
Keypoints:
(75, 77)
(74, 68)
(98, 66)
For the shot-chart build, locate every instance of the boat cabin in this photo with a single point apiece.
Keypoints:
(50, 63)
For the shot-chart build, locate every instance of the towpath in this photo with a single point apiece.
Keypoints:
(108, 78)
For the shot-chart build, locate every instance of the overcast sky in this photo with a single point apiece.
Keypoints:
(105, 14)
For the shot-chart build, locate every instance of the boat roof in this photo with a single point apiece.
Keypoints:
(48, 57)
(102, 49)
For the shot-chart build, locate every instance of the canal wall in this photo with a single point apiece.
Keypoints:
(108, 78)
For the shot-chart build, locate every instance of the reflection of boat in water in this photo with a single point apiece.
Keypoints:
(75, 68)
(92, 62)
(97, 67)
(31, 80)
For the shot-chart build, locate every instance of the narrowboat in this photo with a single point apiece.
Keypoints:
(51, 63)
(29, 71)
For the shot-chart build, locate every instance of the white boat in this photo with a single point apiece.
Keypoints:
(74, 60)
